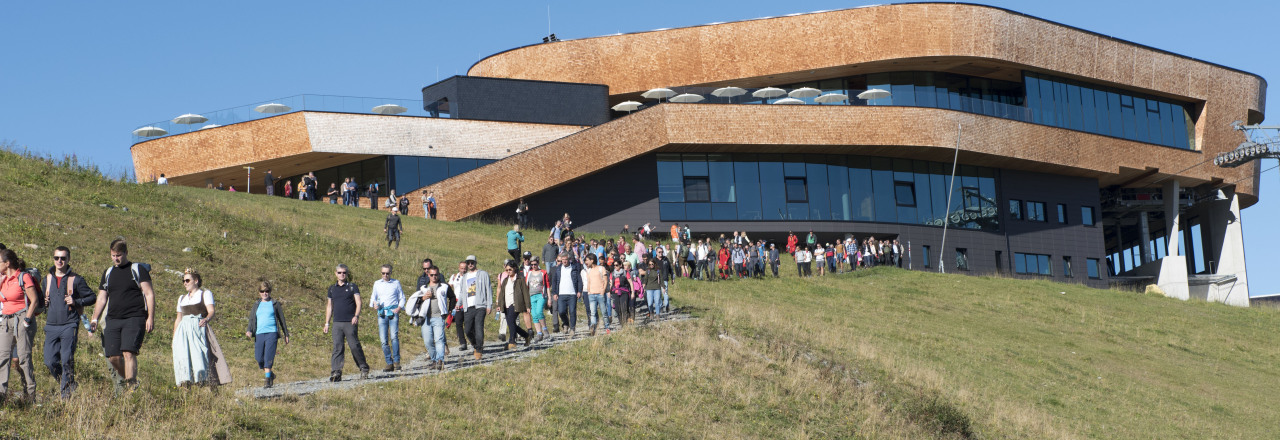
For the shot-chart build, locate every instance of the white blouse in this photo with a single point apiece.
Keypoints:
(190, 299)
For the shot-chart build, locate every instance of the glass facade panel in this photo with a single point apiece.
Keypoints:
(841, 204)
(831, 188)
(1116, 119)
(695, 165)
(1103, 110)
(1140, 120)
(747, 181)
(819, 195)
(1086, 215)
(720, 167)
(432, 170)
(1092, 265)
(882, 189)
(1088, 111)
(1033, 91)
(1100, 111)
(459, 166)
(1074, 120)
(670, 178)
(671, 212)
(1166, 124)
(773, 195)
(860, 189)
(404, 171)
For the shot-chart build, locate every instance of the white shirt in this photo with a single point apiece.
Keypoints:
(566, 281)
(386, 294)
(510, 294)
(162, 181)
(190, 299)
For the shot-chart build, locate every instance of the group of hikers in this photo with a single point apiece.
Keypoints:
(612, 280)
(348, 192)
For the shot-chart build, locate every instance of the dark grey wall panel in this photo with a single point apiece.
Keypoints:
(513, 100)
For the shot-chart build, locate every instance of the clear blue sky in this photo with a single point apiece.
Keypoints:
(77, 77)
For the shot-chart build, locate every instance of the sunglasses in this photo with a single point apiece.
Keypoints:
(188, 280)
(60, 258)
(386, 273)
(264, 291)
(341, 273)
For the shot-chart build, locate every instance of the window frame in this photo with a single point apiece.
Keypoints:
(706, 181)
(1015, 209)
(786, 188)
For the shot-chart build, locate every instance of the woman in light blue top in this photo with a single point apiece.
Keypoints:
(266, 327)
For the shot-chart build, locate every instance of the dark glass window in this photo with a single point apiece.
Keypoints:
(697, 189)
(747, 180)
(720, 168)
(724, 211)
(1015, 209)
(924, 253)
(459, 166)
(882, 189)
(670, 178)
(1035, 211)
(1100, 111)
(1066, 267)
(863, 199)
(1092, 265)
(1086, 215)
(697, 211)
(904, 193)
(818, 193)
(773, 191)
(1062, 213)
(1166, 125)
(432, 170)
(695, 165)
(1031, 264)
(924, 206)
(405, 172)
(669, 212)
(962, 258)
(841, 204)
(796, 191)
(1116, 114)
(1088, 109)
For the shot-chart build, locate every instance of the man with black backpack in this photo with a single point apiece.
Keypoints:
(67, 293)
(125, 296)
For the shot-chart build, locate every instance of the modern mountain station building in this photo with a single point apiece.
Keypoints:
(1076, 156)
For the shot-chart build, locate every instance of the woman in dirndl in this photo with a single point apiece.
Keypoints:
(197, 357)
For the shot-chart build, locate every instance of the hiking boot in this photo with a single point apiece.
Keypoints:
(270, 381)
(364, 374)
(540, 337)
(511, 346)
(478, 354)
(335, 376)
(593, 332)
(389, 368)
(462, 347)
(528, 340)
(397, 366)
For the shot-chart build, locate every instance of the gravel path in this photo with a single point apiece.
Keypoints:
(419, 367)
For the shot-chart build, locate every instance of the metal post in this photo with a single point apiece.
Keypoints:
(946, 217)
(248, 179)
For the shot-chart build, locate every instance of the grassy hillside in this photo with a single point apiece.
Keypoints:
(879, 354)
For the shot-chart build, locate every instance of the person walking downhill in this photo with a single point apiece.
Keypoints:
(594, 280)
(566, 289)
(428, 308)
(539, 287)
(513, 298)
(126, 288)
(393, 227)
(515, 240)
(18, 296)
(387, 300)
(458, 310)
(266, 328)
(476, 297)
(343, 308)
(197, 357)
(651, 276)
(67, 294)
(624, 297)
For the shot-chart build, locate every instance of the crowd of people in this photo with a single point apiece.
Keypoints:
(348, 193)
(534, 297)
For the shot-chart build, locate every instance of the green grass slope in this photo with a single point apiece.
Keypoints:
(878, 354)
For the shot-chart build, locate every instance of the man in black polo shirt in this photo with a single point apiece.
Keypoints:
(343, 306)
(126, 294)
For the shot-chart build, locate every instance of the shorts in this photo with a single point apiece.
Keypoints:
(123, 335)
(536, 304)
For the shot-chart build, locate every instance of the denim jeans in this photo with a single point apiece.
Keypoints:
(390, 324)
(433, 337)
(567, 310)
(608, 309)
(654, 299)
(596, 303)
(666, 296)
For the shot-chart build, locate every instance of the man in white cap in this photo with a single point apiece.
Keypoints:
(475, 298)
